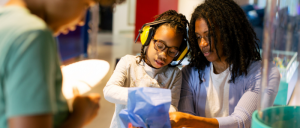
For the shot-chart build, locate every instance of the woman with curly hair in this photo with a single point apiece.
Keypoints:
(221, 85)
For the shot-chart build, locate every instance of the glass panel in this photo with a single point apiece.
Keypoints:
(280, 47)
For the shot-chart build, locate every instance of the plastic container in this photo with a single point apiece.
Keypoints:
(277, 117)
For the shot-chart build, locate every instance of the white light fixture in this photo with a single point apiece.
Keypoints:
(84, 75)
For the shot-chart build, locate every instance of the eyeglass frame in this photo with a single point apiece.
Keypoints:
(166, 46)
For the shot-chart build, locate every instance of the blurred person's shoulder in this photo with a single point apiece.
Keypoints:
(17, 20)
(255, 68)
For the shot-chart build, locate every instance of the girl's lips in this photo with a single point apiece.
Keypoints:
(159, 63)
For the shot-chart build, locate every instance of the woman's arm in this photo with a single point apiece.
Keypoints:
(114, 91)
(175, 89)
(241, 117)
(242, 114)
(186, 103)
(187, 118)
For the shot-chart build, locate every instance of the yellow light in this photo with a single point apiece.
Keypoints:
(84, 75)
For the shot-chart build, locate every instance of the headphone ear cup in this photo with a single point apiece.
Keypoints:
(183, 54)
(146, 35)
(183, 51)
(150, 35)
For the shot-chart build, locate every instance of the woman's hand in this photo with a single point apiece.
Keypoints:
(180, 119)
(130, 126)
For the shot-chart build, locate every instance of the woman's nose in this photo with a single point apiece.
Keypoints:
(203, 43)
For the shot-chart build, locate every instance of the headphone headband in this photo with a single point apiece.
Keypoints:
(147, 31)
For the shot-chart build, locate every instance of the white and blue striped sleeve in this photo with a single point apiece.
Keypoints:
(242, 115)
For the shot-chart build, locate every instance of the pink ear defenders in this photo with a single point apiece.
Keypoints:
(147, 32)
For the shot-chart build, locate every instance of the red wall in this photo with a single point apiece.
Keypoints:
(146, 10)
(165, 5)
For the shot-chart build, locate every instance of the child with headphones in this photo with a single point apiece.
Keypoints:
(164, 41)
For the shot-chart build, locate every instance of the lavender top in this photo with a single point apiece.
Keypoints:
(243, 94)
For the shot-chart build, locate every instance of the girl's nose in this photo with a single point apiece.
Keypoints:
(163, 54)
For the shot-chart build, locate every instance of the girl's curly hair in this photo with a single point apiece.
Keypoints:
(179, 23)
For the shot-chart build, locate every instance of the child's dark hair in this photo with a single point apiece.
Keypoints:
(179, 23)
(238, 38)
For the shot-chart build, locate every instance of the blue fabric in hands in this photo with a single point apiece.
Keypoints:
(147, 108)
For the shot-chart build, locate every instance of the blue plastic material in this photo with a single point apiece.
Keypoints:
(147, 108)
